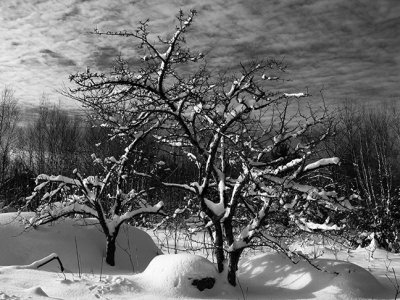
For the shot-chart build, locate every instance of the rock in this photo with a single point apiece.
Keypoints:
(204, 283)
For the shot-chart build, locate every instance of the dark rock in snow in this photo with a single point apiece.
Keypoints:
(204, 283)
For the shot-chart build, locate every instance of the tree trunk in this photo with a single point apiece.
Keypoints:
(110, 250)
(219, 246)
(233, 261)
(233, 257)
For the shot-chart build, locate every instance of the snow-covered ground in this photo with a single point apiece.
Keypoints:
(141, 272)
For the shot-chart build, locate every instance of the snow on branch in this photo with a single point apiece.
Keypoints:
(173, 44)
(145, 209)
(248, 233)
(58, 178)
(290, 165)
(173, 141)
(118, 220)
(237, 188)
(58, 210)
(265, 77)
(194, 189)
(295, 95)
(218, 208)
(178, 212)
(243, 239)
(288, 184)
(322, 163)
(308, 226)
(41, 262)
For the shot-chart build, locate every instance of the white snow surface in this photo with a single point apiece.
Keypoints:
(268, 275)
(275, 275)
(20, 246)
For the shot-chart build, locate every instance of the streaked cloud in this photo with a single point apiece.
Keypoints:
(52, 58)
(350, 49)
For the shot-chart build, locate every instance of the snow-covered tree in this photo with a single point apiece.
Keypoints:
(247, 139)
(104, 198)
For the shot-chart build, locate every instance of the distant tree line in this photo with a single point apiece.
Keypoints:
(56, 141)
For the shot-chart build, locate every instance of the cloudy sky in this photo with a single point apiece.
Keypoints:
(350, 49)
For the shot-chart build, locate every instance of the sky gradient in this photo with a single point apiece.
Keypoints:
(349, 49)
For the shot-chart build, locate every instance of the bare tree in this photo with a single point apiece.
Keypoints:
(246, 138)
(53, 140)
(368, 142)
(9, 116)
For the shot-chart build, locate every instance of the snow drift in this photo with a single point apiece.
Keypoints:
(141, 273)
(276, 275)
(73, 241)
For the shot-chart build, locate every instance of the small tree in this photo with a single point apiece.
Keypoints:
(248, 143)
(103, 198)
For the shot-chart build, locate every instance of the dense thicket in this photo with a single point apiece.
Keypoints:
(368, 143)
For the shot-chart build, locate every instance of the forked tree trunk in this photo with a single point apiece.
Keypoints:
(110, 250)
(233, 261)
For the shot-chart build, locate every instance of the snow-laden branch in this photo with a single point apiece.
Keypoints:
(190, 188)
(237, 189)
(57, 210)
(58, 178)
(290, 165)
(295, 95)
(165, 57)
(41, 262)
(322, 163)
(217, 208)
(244, 238)
(309, 226)
(289, 184)
(118, 220)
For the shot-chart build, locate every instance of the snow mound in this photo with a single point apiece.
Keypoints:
(180, 275)
(73, 241)
(352, 279)
(275, 274)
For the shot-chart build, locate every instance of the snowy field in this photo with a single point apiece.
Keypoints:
(141, 272)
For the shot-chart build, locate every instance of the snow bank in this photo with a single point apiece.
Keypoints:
(135, 248)
(178, 275)
(264, 276)
(275, 274)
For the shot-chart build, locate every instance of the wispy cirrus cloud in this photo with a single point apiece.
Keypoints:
(348, 48)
